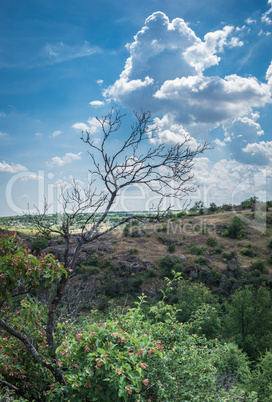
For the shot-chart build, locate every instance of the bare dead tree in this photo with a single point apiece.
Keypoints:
(163, 170)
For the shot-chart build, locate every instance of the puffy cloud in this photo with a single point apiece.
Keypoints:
(12, 168)
(69, 157)
(202, 55)
(92, 127)
(170, 132)
(240, 135)
(213, 99)
(81, 126)
(165, 73)
(219, 142)
(261, 152)
(229, 181)
(97, 103)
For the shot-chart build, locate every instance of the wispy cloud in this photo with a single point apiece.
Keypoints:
(3, 134)
(32, 177)
(265, 17)
(60, 52)
(58, 161)
(55, 134)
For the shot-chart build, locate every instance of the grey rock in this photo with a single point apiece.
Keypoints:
(233, 264)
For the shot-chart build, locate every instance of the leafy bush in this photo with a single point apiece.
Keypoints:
(171, 248)
(258, 266)
(169, 264)
(235, 230)
(38, 244)
(193, 249)
(249, 320)
(139, 360)
(233, 367)
(133, 251)
(201, 261)
(162, 228)
(229, 256)
(191, 296)
(248, 250)
(261, 381)
(211, 241)
(162, 239)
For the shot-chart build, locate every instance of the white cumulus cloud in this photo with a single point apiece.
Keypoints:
(58, 161)
(166, 73)
(97, 103)
(12, 168)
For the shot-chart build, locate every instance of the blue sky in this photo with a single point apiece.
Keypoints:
(201, 68)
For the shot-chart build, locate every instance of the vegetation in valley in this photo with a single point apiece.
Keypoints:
(155, 311)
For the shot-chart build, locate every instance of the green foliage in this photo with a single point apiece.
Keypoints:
(133, 251)
(235, 230)
(38, 244)
(168, 265)
(229, 256)
(191, 296)
(193, 249)
(205, 321)
(162, 228)
(248, 250)
(137, 359)
(270, 243)
(213, 208)
(211, 241)
(249, 203)
(249, 320)
(258, 266)
(233, 367)
(261, 381)
(171, 248)
(226, 207)
(162, 239)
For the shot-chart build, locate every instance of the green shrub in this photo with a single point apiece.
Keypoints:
(258, 266)
(162, 239)
(201, 261)
(151, 273)
(233, 366)
(171, 248)
(126, 230)
(229, 256)
(270, 243)
(38, 244)
(133, 251)
(169, 264)
(211, 241)
(193, 249)
(261, 381)
(191, 296)
(162, 228)
(248, 250)
(235, 230)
